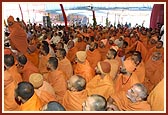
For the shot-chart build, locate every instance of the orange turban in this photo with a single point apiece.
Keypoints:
(10, 19)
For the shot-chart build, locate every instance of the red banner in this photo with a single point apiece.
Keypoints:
(64, 15)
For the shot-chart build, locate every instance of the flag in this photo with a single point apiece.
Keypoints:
(64, 15)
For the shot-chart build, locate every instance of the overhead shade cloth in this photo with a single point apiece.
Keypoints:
(157, 15)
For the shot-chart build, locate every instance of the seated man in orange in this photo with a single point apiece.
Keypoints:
(94, 103)
(140, 69)
(159, 47)
(76, 93)
(132, 100)
(26, 67)
(80, 44)
(27, 98)
(64, 64)
(93, 55)
(103, 49)
(111, 54)
(42, 88)
(71, 51)
(56, 78)
(33, 55)
(53, 106)
(43, 59)
(83, 67)
(102, 83)
(125, 78)
(9, 91)
(18, 36)
(10, 66)
(154, 71)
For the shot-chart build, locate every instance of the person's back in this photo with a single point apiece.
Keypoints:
(56, 78)
(102, 83)
(9, 63)
(76, 93)
(26, 67)
(64, 64)
(156, 97)
(83, 67)
(27, 98)
(9, 89)
(42, 88)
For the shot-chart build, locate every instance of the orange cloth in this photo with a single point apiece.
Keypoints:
(81, 46)
(123, 82)
(15, 74)
(85, 70)
(65, 66)
(71, 54)
(100, 86)
(154, 49)
(124, 104)
(28, 69)
(43, 60)
(33, 104)
(141, 48)
(154, 73)
(18, 37)
(140, 72)
(143, 39)
(128, 40)
(114, 67)
(46, 93)
(9, 91)
(156, 97)
(103, 52)
(57, 80)
(33, 57)
(93, 57)
(72, 101)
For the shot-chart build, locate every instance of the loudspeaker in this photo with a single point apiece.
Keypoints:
(46, 21)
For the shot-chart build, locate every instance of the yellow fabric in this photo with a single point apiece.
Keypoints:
(33, 104)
